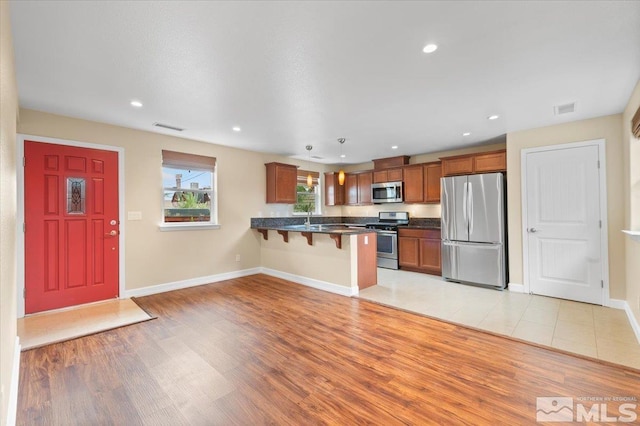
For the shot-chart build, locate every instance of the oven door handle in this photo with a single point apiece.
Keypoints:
(386, 232)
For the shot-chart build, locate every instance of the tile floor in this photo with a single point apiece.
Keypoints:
(65, 324)
(590, 330)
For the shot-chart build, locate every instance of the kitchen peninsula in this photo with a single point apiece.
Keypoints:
(336, 257)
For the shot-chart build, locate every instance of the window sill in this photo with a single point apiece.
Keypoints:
(187, 226)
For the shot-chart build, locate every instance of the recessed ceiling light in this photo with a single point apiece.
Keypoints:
(466, 134)
(430, 48)
(342, 156)
(493, 117)
(136, 104)
(394, 147)
(236, 129)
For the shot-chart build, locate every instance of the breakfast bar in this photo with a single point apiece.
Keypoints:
(339, 258)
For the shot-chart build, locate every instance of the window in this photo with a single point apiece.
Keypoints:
(307, 198)
(188, 182)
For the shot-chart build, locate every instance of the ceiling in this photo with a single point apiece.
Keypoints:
(291, 74)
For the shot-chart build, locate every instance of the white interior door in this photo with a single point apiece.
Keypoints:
(563, 223)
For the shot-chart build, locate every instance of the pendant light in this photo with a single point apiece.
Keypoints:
(309, 177)
(341, 172)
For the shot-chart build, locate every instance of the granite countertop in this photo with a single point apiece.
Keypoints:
(333, 228)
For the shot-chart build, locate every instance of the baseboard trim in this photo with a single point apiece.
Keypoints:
(632, 320)
(516, 288)
(13, 390)
(193, 282)
(617, 304)
(310, 282)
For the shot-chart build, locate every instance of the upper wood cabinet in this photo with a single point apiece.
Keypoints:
(281, 183)
(413, 184)
(358, 188)
(432, 174)
(422, 183)
(389, 175)
(333, 191)
(483, 162)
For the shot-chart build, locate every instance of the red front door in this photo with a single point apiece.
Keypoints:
(71, 226)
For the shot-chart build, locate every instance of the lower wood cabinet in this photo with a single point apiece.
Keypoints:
(419, 250)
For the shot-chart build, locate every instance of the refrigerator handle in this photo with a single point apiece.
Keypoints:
(464, 204)
(470, 206)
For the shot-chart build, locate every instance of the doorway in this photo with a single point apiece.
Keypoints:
(564, 221)
(71, 237)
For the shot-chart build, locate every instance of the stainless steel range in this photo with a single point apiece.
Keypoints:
(387, 232)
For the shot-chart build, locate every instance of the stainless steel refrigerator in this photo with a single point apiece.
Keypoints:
(474, 229)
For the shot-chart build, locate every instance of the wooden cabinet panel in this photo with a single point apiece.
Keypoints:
(333, 191)
(390, 175)
(419, 250)
(413, 184)
(457, 166)
(358, 188)
(364, 187)
(351, 189)
(408, 252)
(281, 183)
(482, 162)
(430, 255)
(432, 174)
(391, 162)
(490, 162)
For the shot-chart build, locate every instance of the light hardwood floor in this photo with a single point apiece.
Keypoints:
(260, 350)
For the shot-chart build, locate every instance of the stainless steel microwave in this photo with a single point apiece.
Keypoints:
(388, 192)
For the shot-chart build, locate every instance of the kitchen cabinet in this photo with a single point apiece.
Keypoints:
(432, 172)
(389, 175)
(333, 191)
(490, 162)
(358, 188)
(281, 183)
(413, 183)
(422, 183)
(483, 162)
(419, 250)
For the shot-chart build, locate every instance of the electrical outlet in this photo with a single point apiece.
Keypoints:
(237, 258)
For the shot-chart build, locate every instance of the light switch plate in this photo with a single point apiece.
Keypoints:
(134, 215)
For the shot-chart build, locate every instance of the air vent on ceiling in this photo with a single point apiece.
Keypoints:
(166, 126)
(317, 157)
(564, 109)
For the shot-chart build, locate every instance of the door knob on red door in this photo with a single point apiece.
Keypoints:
(112, 233)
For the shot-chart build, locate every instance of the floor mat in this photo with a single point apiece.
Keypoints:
(54, 327)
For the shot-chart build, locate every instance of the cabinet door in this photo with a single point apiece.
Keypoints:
(432, 175)
(380, 176)
(491, 162)
(457, 166)
(364, 187)
(408, 252)
(351, 189)
(430, 255)
(333, 191)
(394, 175)
(413, 184)
(281, 183)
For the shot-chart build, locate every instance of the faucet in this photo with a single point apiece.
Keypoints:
(308, 221)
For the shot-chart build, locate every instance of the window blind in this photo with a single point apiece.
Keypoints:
(187, 161)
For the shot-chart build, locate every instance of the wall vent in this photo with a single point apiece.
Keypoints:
(564, 109)
(166, 126)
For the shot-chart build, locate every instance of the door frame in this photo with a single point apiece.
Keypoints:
(604, 230)
(20, 243)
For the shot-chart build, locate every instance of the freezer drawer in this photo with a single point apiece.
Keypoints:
(474, 263)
